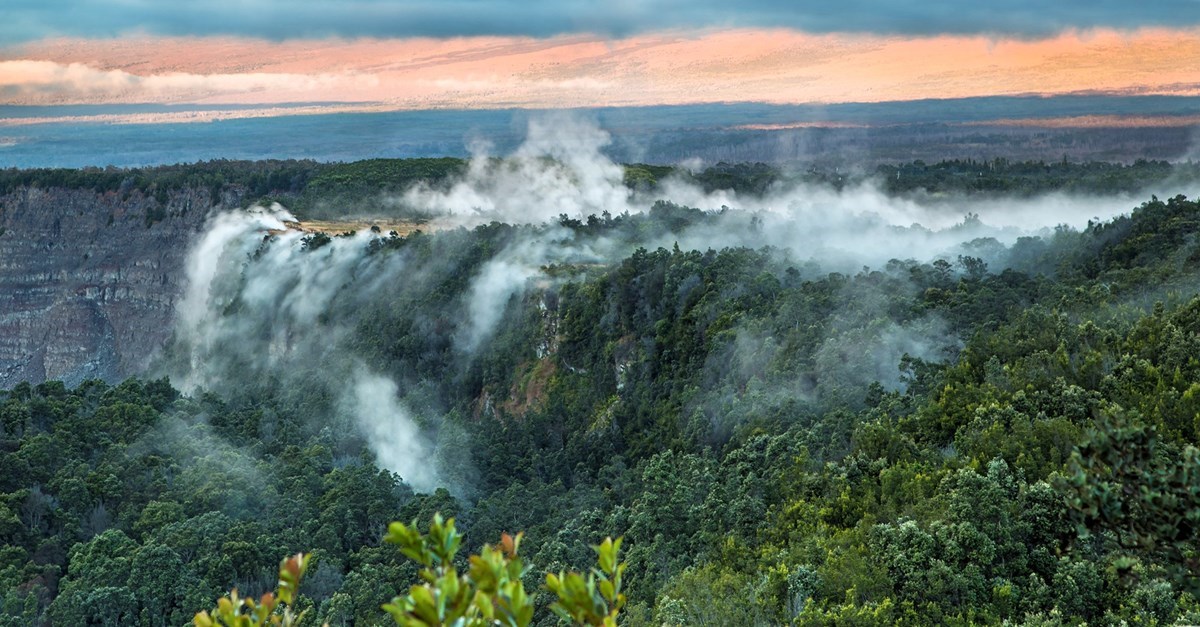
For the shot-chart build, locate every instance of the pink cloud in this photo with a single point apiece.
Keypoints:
(776, 66)
(46, 82)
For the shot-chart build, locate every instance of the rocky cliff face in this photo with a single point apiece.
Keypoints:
(88, 281)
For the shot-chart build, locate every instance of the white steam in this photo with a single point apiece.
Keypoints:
(255, 308)
(260, 307)
(491, 290)
(559, 169)
(514, 270)
(395, 439)
(215, 258)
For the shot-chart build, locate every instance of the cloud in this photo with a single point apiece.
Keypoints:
(583, 71)
(34, 81)
(286, 19)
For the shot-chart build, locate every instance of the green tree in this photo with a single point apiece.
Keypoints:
(1127, 488)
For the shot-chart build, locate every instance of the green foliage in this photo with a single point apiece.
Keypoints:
(382, 174)
(594, 599)
(491, 591)
(1022, 177)
(272, 609)
(259, 178)
(1144, 497)
(738, 417)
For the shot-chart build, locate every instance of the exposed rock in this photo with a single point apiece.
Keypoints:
(88, 281)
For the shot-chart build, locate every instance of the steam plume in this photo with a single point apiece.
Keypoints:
(267, 303)
(258, 308)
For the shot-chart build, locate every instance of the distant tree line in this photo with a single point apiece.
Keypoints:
(315, 189)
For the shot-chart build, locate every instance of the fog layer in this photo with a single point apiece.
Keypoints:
(284, 310)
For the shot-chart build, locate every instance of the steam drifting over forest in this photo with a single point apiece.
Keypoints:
(638, 313)
(910, 382)
(268, 303)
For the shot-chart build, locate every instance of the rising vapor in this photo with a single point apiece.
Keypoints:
(257, 308)
(273, 304)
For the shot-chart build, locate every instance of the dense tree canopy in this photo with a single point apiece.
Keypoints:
(763, 435)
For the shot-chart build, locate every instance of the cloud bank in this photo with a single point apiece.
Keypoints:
(282, 19)
(39, 81)
(581, 71)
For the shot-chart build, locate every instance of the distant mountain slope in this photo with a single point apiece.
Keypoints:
(1082, 127)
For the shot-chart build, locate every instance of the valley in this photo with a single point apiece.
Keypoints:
(782, 387)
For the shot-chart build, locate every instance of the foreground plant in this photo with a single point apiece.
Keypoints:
(596, 599)
(489, 593)
(492, 592)
(272, 608)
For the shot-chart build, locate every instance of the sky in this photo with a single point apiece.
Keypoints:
(273, 57)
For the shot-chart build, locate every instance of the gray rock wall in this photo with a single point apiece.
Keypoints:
(88, 281)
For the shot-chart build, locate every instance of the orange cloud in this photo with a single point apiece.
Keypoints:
(49, 80)
(774, 66)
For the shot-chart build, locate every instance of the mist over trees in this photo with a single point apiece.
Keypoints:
(997, 426)
(314, 189)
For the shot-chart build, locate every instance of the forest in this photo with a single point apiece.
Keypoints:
(1005, 435)
(322, 190)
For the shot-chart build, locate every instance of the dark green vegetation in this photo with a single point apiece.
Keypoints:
(723, 411)
(488, 590)
(323, 190)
